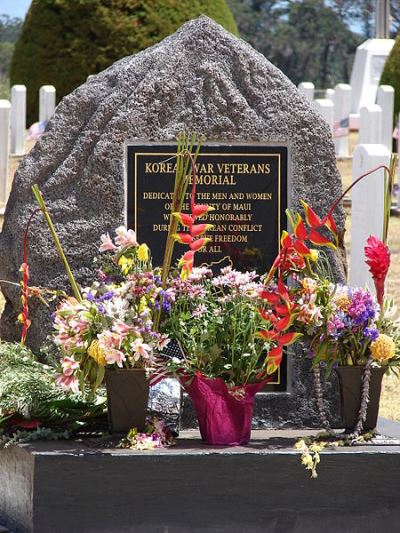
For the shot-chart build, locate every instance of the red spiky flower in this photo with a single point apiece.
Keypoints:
(194, 238)
(378, 259)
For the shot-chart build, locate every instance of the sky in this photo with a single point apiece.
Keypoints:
(14, 8)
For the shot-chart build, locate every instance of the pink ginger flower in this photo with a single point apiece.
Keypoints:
(377, 256)
(125, 237)
(68, 383)
(69, 365)
(106, 243)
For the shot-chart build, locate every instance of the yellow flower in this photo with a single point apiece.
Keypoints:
(314, 255)
(143, 304)
(125, 263)
(342, 301)
(97, 353)
(143, 252)
(383, 348)
(309, 284)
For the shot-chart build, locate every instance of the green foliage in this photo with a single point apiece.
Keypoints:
(9, 32)
(25, 384)
(308, 40)
(391, 74)
(64, 41)
(28, 391)
(10, 28)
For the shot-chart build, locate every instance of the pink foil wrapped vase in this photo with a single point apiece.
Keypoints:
(224, 415)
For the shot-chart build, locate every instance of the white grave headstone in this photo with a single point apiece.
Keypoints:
(385, 100)
(325, 107)
(307, 88)
(5, 112)
(18, 119)
(330, 95)
(47, 102)
(366, 74)
(341, 119)
(398, 160)
(367, 208)
(370, 125)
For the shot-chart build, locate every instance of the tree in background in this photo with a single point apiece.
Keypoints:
(64, 41)
(308, 39)
(10, 29)
(391, 74)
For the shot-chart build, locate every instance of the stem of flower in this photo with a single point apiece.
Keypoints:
(43, 208)
(340, 198)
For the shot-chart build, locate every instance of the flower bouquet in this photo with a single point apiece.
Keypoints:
(230, 343)
(110, 332)
(346, 328)
(218, 323)
(352, 332)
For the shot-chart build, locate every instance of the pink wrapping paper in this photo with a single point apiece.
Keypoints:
(224, 418)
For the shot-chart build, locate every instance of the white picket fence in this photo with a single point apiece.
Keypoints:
(13, 126)
(375, 145)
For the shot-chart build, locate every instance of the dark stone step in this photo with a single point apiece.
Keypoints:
(57, 487)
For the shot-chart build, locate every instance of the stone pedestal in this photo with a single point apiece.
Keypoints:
(69, 487)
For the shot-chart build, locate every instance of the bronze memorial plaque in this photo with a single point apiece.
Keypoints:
(247, 186)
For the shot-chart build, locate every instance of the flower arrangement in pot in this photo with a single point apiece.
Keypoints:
(348, 329)
(109, 332)
(356, 334)
(230, 342)
(217, 319)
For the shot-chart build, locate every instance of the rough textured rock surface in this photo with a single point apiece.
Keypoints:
(201, 78)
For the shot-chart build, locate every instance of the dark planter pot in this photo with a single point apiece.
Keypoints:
(224, 419)
(350, 395)
(127, 398)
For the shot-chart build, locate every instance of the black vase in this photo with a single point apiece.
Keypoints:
(127, 398)
(350, 395)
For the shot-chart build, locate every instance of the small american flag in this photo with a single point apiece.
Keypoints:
(341, 127)
(172, 349)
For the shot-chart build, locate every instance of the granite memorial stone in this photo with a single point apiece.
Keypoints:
(201, 79)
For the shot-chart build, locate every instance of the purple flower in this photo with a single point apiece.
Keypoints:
(90, 297)
(371, 333)
(107, 296)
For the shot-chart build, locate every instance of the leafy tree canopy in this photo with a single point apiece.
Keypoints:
(64, 41)
(308, 40)
(391, 74)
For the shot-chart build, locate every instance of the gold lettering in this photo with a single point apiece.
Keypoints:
(241, 207)
(259, 196)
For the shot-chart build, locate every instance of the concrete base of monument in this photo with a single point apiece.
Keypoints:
(72, 487)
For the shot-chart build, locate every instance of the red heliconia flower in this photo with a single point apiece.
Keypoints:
(200, 210)
(279, 319)
(199, 243)
(186, 264)
(183, 238)
(199, 229)
(184, 219)
(378, 259)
